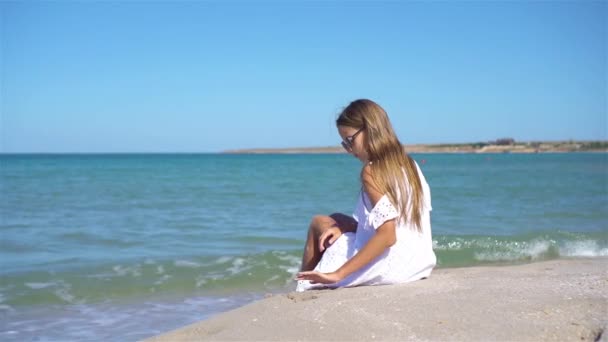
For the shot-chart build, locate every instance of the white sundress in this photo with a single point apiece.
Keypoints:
(410, 258)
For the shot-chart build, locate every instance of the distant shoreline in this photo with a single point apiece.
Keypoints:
(597, 146)
(519, 147)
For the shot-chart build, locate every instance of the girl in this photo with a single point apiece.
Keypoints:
(388, 239)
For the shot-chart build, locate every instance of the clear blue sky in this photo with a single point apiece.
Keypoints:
(210, 76)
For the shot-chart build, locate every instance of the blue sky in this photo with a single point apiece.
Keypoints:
(210, 76)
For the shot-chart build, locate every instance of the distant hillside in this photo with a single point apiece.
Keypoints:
(506, 145)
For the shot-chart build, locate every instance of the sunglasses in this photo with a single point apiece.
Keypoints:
(347, 143)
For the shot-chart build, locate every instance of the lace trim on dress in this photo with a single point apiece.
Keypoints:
(382, 212)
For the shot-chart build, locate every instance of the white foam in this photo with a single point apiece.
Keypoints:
(537, 248)
(200, 281)
(516, 251)
(453, 245)
(186, 263)
(134, 271)
(291, 269)
(584, 248)
(162, 279)
(8, 308)
(238, 266)
(64, 294)
(293, 262)
(38, 286)
(223, 259)
(274, 277)
(289, 258)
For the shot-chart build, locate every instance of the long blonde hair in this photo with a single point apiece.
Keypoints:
(388, 158)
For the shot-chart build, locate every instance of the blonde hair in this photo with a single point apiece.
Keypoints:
(389, 160)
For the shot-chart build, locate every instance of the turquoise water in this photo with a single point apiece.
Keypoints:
(126, 246)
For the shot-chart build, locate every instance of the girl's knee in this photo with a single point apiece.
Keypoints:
(321, 222)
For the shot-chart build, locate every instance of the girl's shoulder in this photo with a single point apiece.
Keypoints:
(366, 170)
(369, 186)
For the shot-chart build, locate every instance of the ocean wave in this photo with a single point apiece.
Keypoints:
(254, 272)
(586, 248)
(265, 271)
(473, 250)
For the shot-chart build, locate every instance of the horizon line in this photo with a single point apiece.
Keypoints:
(245, 150)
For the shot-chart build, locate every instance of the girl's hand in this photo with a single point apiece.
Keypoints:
(329, 236)
(318, 277)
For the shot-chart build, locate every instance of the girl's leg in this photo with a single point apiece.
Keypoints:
(318, 225)
(312, 254)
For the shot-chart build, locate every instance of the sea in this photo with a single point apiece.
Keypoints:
(126, 246)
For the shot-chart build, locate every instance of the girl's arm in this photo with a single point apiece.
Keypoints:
(384, 238)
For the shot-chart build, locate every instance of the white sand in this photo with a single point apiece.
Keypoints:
(561, 300)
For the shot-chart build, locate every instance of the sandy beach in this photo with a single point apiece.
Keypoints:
(558, 300)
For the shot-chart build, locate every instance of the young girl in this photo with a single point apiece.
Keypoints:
(388, 239)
